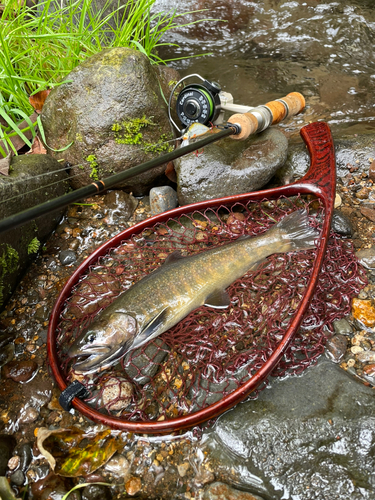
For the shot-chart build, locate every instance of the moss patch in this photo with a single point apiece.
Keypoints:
(33, 246)
(8, 264)
(130, 132)
(94, 167)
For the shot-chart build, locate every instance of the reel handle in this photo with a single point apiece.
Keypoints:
(262, 117)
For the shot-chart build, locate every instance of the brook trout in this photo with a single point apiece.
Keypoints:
(181, 284)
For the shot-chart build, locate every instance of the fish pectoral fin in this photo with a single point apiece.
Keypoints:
(219, 299)
(150, 329)
(173, 257)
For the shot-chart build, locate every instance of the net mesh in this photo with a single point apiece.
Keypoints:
(211, 352)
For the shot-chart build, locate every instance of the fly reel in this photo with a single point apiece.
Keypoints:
(205, 103)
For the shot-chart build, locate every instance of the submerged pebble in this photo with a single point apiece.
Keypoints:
(364, 312)
(96, 492)
(336, 347)
(117, 393)
(18, 477)
(341, 224)
(133, 485)
(342, 327)
(221, 491)
(118, 465)
(142, 364)
(67, 257)
(20, 371)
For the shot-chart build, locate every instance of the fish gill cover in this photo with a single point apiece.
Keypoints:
(210, 353)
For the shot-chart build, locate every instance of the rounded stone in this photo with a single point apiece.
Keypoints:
(133, 485)
(117, 393)
(18, 477)
(230, 167)
(96, 492)
(162, 198)
(367, 257)
(20, 371)
(114, 116)
(342, 327)
(336, 348)
(67, 257)
(120, 204)
(341, 224)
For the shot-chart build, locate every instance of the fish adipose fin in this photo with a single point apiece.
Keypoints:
(173, 257)
(295, 228)
(150, 330)
(219, 299)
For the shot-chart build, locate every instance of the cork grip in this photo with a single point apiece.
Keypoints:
(290, 105)
(248, 124)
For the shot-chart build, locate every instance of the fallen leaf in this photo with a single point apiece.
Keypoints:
(5, 164)
(72, 453)
(37, 147)
(37, 100)
(170, 172)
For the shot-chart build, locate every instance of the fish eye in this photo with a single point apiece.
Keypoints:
(91, 338)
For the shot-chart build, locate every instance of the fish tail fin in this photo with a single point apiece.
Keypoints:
(295, 229)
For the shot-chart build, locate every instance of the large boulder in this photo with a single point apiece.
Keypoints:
(228, 167)
(113, 112)
(33, 179)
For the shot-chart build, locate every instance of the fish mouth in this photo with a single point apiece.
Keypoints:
(96, 359)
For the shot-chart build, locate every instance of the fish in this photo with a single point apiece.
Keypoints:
(180, 285)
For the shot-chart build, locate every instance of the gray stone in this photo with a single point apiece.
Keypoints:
(141, 367)
(33, 179)
(228, 167)
(341, 224)
(367, 257)
(114, 86)
(351, 150)
(221, 491)
(96, 492)
(24, 451)
(316, 430)
(18, 477)
(67, 257)
(162, 198)
(342, 327)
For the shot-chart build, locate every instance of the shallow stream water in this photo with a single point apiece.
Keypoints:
(268, 48)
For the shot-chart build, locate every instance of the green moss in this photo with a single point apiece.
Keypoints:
(8, 264)
(130, 132)
(93, 165)
(33, 246)
(79, 137)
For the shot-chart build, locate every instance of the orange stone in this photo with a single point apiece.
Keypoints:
(364, 311)
(133, 485)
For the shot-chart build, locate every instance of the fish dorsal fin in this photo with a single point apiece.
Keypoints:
(173, 257)
(219, 299)
(150, 329)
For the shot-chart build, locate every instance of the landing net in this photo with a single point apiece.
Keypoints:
(211, 352)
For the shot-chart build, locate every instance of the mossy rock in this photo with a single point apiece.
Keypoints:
(113, 112)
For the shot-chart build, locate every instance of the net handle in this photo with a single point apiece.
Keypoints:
(320, 180)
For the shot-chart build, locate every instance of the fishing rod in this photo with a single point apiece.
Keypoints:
(203, 104)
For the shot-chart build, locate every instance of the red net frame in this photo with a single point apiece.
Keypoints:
(210, 391)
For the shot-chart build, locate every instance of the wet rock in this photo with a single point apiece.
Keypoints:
(342, 327)
(7, 445)
(341, 224)
(28, 415)
(183, 468)
(14, 462)
(369, 369)
(336, 347)
(227, 168)
(367, 257)
(96, 492)
(133, 485)
(20, 371)
(366, 356)
(142, 364)
(118, 465)
(114, 113)
(24, 452)
(67, 257)
(162, 198)
(41, 313)
(117, 393)
(52, 486)
(221, 491)
(364, 312)
(363, 193)
(369, 213)
(119, 204)
(7, 354)
(18, 478)
(300, 425)
(18, 188)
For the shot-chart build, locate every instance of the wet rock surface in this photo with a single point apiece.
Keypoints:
(227, 168)
(113, 113)
(310, 436)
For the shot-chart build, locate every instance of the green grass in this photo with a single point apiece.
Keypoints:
(40, 46)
